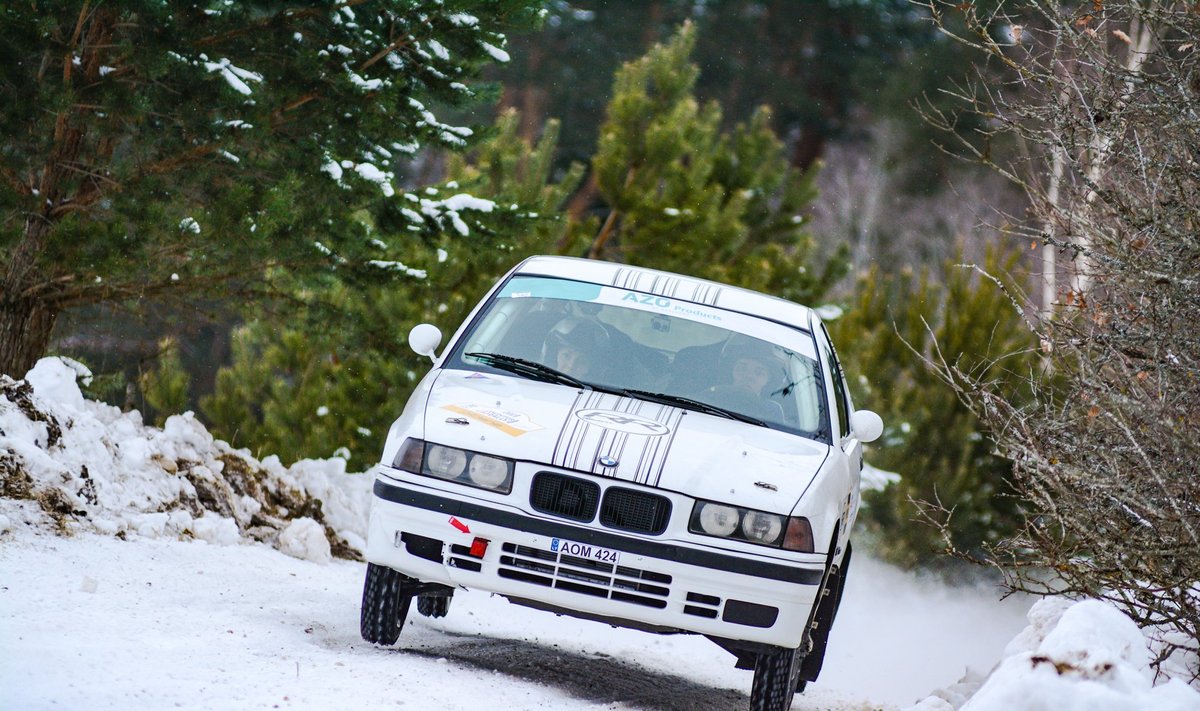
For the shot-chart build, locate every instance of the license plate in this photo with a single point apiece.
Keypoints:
(585, 550)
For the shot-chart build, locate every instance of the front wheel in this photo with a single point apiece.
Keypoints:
(776, 680)
(384, 604)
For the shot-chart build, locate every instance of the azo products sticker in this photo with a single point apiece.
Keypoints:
(507, 421)
(623, 422)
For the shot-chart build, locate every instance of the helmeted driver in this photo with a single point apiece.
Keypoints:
(749, 366)
(575, 345)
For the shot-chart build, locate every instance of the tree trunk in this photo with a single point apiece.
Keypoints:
(25, 328)
(26, 319)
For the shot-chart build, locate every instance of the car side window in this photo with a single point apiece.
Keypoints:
(839, 383)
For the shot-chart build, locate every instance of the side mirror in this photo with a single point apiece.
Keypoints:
(424, 339)
(866, 425)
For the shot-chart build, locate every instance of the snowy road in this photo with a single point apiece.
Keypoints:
(98, 623)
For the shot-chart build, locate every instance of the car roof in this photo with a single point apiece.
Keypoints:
(672, 286)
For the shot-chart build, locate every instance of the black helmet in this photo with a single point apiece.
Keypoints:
(752, 349)
(580, 333)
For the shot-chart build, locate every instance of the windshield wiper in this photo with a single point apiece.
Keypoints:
(528, 368)
(690, 404)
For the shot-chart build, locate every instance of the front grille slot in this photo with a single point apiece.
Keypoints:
(636, 511)
(460, 557)
(584, 576)
(702, 605)
(564, 496)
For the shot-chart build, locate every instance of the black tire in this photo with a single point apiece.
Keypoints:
(384, 605)
(826, 613)
(433, 605)
(776, 680)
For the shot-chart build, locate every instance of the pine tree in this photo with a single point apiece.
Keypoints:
(165, 387)
(949, 473)
(163, 149)
(815, 62)
(323, 385)
(684, 196)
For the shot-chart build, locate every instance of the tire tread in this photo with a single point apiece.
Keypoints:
(384, 605)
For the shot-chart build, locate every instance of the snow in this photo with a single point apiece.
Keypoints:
(401, 266)
(234, 76)
(1081, 656)
(305, 539)
(463, 201)
(497, 54)
(876, 479)
(383, 179)
(54, 380)
(157, 595)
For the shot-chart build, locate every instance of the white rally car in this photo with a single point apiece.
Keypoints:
(631, 446)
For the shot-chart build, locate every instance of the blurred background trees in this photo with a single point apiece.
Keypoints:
(1105, 97)
(953, 490)
(770, 143)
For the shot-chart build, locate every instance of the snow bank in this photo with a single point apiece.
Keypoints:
(1073, 656)
(92, 467)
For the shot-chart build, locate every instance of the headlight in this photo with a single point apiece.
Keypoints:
(453, 464)
(767, 529)
(759, 527)
(717, 520)
(488, 472)
(445, 462)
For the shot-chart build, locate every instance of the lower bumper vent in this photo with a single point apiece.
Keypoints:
(584, 576)
(702, 605)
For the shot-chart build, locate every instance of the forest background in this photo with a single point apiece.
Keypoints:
(850, 155)
(777, 145)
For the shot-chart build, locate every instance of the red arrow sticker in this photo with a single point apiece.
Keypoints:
(459, 525)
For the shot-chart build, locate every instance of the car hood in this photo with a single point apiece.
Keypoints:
(609, 435)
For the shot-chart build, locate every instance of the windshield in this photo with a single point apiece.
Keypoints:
(650, 347)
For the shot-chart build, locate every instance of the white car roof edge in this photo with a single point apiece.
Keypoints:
(672, 285)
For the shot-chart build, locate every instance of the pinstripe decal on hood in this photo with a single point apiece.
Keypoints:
(635, 433)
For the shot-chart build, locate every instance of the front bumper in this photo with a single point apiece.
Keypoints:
(659, 584)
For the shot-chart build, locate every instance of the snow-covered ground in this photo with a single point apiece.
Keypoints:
(188, 580)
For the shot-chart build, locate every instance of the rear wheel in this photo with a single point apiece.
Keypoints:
(776, 680)
(384, 604)
(433, 605)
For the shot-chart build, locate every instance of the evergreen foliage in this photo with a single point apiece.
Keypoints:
(817, 63)
(949, 472)
(322, 385)
(162, 148)
(684, 196)
(164, 388)
(687, 198)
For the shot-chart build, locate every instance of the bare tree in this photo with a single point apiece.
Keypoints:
(1105, 97)
(862, 203)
